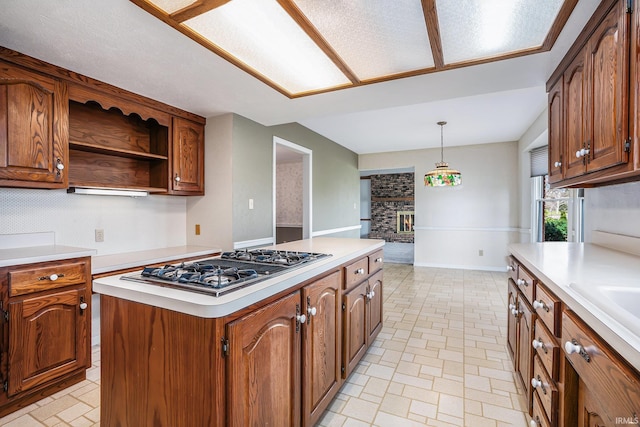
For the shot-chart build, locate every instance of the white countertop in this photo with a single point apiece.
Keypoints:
(197, 304)
(43, 253)
(106, 263)
(576, 272)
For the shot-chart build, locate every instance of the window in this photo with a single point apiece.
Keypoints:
(558, 213)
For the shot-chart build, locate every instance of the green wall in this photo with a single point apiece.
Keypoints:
(336, 181)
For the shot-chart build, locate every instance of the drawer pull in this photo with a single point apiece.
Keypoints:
(514, 312)
(537, 382)
(379, 259)
(573, 347)
(536, 422)
(512, 306)
(522, 282)
(539, 344)
(540, 304)
(359, 271)
(510, 268)
(53, 277)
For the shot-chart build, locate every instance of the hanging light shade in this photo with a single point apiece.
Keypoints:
(442, 175)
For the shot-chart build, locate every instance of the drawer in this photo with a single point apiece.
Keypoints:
(602, 370)
(48, 276)
(549, 309)
(526, 283)
(547, 349)
(376, 261)
(538, 417)
(512, 268)
(546, 389)
(356, 272)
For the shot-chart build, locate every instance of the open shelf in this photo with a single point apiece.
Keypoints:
(94, 148)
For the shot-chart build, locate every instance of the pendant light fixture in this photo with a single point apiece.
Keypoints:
(442, 176)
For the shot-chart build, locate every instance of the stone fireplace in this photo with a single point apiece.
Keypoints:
(392, 207)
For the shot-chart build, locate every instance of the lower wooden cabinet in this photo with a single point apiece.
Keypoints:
(321, 346)
(46, 333)
(263, 366)
(284, 358)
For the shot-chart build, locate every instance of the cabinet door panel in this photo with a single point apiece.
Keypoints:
(512, 323)
(575, 97)
(608, 57)
(525, 350)
(33, 121)
(264, 366)
(374, 310)
(188, 157)
(321, 346)
(47, 338)
(555, 132)
(355, 327)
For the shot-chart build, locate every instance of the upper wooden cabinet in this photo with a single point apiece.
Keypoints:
(187, 163)
(70, 130)
(589, 104)
(33, 129)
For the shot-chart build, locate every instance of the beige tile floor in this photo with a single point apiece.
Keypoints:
(440, 360)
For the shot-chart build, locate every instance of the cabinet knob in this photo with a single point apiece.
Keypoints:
(512, 306)
(557, 164)
(540, 304)
(379, 259)
(83, 306)
(301, 318)
(514, 312)
(572, 347)
(535, 423)
(59, 165)
(177, 178)
(510, 268)
(311, 311)
(535, 382)
(537, 344)
(52, 277)
(370, 295)
(360, 271)
(522, 282)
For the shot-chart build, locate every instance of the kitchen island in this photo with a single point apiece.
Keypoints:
(273, 353)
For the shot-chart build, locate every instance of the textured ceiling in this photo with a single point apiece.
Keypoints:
(117, 42)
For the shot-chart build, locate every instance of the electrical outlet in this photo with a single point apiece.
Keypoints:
(250, 203)
(481, 252)
(99, 235)
(197, 229)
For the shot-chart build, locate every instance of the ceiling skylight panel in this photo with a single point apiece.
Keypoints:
(171, 6)
(476, 29)
(263, 36)
(374, 38)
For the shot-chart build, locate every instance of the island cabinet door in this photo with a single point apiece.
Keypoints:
(263, 366)
(47, 338)
(355, 327)
(321, 345)
(374, 309)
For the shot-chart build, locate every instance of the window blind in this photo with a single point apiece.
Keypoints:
(539, 161)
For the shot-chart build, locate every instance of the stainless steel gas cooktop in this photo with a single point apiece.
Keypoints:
(231, 271)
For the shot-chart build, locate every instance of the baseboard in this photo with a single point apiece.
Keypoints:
(461, 267)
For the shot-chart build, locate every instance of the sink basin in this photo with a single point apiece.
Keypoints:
(626, 298)
(621, 303)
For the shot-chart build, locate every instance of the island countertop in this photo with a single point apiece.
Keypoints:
(577, 273)
(342, 250)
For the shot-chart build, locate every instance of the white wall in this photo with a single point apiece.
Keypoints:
(213, 211)
(129, 224)
(453, 224)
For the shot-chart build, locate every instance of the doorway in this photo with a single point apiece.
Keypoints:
(292, 201)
